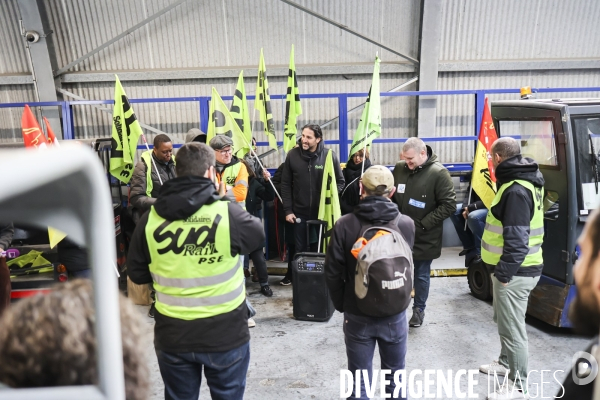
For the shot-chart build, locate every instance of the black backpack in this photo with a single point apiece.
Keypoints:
(384, 271)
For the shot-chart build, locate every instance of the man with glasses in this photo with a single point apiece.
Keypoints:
(230, 169)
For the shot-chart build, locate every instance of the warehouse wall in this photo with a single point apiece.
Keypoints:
(209, 42)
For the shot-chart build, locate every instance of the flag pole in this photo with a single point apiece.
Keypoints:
(262, 167)
(362, 172)
(256, 156)
(152, 159)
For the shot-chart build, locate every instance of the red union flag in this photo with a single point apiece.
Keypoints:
(33, 136)
(483, 181)
(51, 136)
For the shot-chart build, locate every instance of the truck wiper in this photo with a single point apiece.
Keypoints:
(594, 162)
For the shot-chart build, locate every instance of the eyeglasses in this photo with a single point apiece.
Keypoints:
(225, 152)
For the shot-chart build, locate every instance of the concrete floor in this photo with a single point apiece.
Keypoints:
(302, 360)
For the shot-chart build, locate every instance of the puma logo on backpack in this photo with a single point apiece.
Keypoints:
(384, 271)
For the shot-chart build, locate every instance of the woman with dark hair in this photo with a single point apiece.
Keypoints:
(350, 196)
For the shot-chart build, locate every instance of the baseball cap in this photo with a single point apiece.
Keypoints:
(220, 141)
(376, 178)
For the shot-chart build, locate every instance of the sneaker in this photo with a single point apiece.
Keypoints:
(152, 309)
(417, 317)
(507, 392)
(494, 367)
(251, 323)
(266, 290)
(285, 282)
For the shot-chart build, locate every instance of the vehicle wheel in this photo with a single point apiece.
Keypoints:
(479, 281)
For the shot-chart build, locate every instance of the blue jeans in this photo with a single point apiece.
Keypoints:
(82, 274)
(225, 373)
(471, 237)
(361, 334)
(422, 277)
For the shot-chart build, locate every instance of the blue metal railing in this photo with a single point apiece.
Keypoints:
(344, 139)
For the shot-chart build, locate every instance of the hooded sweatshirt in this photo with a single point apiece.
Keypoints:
(178, 199)
(515, 211)
(302, 178)
(340, 264)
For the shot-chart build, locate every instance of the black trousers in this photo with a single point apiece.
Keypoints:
(258, 259)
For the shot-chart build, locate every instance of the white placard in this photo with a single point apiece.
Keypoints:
(591, 199)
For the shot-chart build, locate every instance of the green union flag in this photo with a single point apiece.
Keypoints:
(329, 205)
(222, 123)
(240, 113)
(126, 131)
(369, 127)
(292, 107)
(262, 103)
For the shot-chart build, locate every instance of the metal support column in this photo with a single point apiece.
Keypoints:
(343, 126)
(41, 54)
(429, 51)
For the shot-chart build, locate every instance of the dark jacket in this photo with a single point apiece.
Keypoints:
(138, 199)
(257, 192)
(515, 211)
(288, 229)
(72, 256)
(180, 198)
(6, 234)
(340, 264)
(428, 199)
(302, 178)
(350, 196)
(474, 202)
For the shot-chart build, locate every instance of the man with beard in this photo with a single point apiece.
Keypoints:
(585, 309)
(350, 196)
(512, 244)
(301, 183)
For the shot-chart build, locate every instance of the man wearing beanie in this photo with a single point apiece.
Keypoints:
(362, 329)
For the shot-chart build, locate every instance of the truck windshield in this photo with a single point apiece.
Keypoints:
(586, 130)
(536, 138)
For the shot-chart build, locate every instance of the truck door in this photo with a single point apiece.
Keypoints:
(539, 129)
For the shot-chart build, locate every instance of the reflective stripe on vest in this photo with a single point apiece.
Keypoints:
(229, 175)
(194, 274)
(147, 157)
(492, 242)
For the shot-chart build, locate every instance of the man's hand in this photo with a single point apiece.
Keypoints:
(291, 218)
(504, 284)
(2, 253)
(465, 212)
(222, 189)
(266, 174)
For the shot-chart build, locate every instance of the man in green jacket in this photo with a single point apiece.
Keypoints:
(424, 192)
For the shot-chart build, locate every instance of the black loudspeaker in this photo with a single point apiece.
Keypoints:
(311, 296)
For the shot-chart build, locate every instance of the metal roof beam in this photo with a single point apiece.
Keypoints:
(344, 27)
(119, 37)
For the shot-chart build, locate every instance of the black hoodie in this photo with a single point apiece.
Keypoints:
(340, 264)
(302, 178)
(178, 199)
(515, 211)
